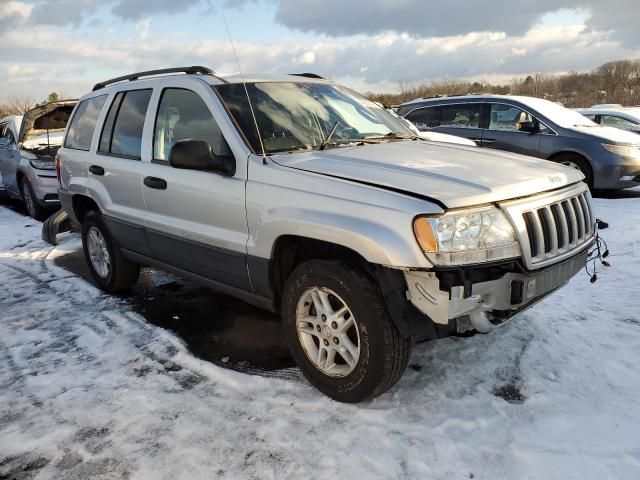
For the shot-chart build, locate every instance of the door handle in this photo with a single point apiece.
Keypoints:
(155, 182)
(488, 141)
(96, 170)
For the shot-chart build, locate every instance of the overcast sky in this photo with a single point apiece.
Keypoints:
(370, 45)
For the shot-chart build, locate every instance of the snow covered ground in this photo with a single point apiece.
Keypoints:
(88, 389)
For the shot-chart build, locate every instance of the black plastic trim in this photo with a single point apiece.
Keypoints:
(242, 294)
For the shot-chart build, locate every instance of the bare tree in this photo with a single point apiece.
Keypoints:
(18, 105)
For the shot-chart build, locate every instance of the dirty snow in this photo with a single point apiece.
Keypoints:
(88, 389)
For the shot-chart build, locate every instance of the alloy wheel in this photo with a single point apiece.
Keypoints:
(328, 332)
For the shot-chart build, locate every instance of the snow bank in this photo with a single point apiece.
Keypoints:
(88, 389)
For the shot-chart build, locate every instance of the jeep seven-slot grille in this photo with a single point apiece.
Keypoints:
(559, 227)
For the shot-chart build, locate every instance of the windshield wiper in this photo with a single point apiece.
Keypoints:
(395, 136)
(327, 139)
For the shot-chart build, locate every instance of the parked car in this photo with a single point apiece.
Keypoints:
(28, 145)
(608, 158)
(312, 201)
(616, 116)
(434, 136)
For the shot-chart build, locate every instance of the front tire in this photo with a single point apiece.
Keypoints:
(578, 162)
(34, 209)
(111, 271)
(339, 333)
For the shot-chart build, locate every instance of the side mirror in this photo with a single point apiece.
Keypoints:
(529, 127)
(193, 154)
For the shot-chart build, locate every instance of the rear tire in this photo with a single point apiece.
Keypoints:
(578, 162)
(359, 363)
(34, 209)
(111, 271)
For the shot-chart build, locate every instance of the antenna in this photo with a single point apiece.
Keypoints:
(253, 115)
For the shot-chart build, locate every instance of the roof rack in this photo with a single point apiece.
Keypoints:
(135, 76)
(308, 75)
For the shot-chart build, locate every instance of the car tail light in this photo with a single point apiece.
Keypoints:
(57, 160)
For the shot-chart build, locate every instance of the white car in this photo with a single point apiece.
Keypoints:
(613, 115)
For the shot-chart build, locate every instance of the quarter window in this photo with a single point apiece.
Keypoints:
(182, 114)
(461, 116)
(122, 131)
(507, 117)
(425, 118)
(84, 122)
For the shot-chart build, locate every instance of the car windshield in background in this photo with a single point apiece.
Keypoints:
(300, 116)
(560, 115)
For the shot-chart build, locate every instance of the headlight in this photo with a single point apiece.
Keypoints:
(467, 236)
(43, 164)
(624, 150)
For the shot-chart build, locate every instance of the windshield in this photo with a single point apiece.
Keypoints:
(301, 116)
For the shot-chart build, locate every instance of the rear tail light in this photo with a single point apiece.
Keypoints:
(57, 160)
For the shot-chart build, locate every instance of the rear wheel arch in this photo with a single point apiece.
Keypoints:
(82, 205)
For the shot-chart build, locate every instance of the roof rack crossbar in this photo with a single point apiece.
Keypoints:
(135, 76)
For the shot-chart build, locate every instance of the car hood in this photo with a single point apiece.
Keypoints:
(453, 175)
(610, 134)
(446, 138)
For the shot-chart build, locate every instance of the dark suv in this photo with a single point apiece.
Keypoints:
(609, 158)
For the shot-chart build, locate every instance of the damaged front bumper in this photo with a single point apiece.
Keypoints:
(484, 305)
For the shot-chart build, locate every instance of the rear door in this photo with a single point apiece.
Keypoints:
(115, 177)
(503, 132)
(461, 119)
(195, 220)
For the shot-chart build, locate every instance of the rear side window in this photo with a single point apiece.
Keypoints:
(84, 123)
(122, 131)
(182, 114)
(461, 116)
(425, 118)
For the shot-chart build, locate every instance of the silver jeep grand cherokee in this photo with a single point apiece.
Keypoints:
(310, 200)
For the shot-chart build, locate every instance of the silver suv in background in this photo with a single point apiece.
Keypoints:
(608, 158)
(303, 197)
(28, 145)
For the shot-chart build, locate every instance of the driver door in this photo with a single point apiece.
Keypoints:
(195, 220)
(503, 131)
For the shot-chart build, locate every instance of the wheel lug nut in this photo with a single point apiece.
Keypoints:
(335, 340)
(324, 317)
(334, 325)
(326, 342)
(318, 329)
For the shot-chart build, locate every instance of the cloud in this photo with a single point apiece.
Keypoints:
(427, 19)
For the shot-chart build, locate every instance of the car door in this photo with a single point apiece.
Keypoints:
(9, 159)
(195, 220)
(115, 177)
(461, 119)
(503, 130)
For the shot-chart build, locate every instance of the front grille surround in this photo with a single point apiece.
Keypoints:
(553, 225)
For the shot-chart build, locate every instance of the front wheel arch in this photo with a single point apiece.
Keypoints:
(583, 162)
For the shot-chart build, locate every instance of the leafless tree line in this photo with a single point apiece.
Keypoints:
(613, 82)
